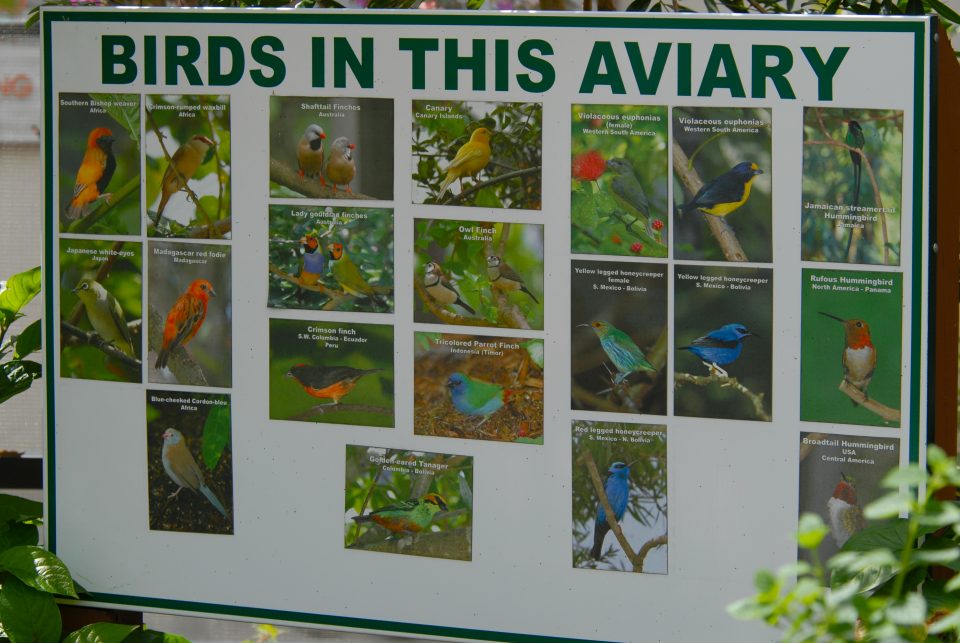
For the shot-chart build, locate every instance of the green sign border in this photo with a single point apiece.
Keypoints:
(913, 25)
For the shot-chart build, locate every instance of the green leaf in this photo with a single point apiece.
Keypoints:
(910, 476)
(127, 116)
(101, 633)
(812, 531)
(19, 534)
(216, 435)
(911, 610)
(945, 11)
(38, 568)
(28, 341)
(887, 535)
(153, 636)
(17, 509)
(20, 289)
(16, 376)
(28, 616)
(938, 598)
(475, 4)
(888, 506)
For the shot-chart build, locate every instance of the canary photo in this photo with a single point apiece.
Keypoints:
(331, 148)
(101, 305)
(619, 493)
(189, 462)
(839, 476)
(188, 167)
(618, 357)
(331, 258)
(475, 153)
(723, 334)
(722, 197)
(478, 387)
(475, 273)
(619, 180)
(408, 502)
(331, 373)
(99, 163)
(852, 185)
(851, 361)
(191, 314)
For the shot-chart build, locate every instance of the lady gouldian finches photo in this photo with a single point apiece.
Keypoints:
(442, 290)
(105, 314)
(726, 193)
(180, 465)
(183, 165)
(185, 318)
(93, 176)
(341, 167)
(310, 153)
(472, 157)
(314, 263)
(504, 278)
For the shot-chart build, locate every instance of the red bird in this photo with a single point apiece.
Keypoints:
(185, 318)
(96, 170)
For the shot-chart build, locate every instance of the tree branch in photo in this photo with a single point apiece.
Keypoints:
(756, 399)
(587, 460)
(720, 229)
(500, 178)
(186, 187)
(180, 363)
(283, 175)
(102, 273)
(886, 413)
(444, 315)
(320, 409)
(85, 223)
(92, 338)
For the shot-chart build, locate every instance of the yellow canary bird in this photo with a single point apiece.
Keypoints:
(472, 157)
(310, 152)
(185, 162)
(105, 314)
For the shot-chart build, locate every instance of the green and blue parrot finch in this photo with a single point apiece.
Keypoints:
(105, 314)
(622, 351)
(726, 193)
(476, 398)
(855, 139)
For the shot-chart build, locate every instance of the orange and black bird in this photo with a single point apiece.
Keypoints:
(96, 170)
(328, 382)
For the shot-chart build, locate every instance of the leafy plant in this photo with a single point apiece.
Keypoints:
(16, 372)
(887, 583)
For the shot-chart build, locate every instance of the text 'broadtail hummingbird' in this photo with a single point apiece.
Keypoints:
(859, 354)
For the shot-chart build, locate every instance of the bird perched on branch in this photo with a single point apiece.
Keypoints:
(185, 318)
(616, 487)
(472, 157)
(179, 464)
(93, 176)
(340, 167)
(442, 290)
(720, 347)
(726, 193)
(412, 516)
(622, 351)
(504, 278)
(859, 356)
(313, 263)
(183, 165)
(348, 275)
(328, 382)
(310, 153)
(105, 314)
(626, 187)
(477, 398)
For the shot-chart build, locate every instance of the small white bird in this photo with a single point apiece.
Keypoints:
(310, 152)
(183, 469)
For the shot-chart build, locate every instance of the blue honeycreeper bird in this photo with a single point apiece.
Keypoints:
(617, 488)
(720, 347)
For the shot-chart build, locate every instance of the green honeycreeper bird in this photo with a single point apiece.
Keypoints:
(622, 351)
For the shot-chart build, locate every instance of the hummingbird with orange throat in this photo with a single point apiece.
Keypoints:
(859, 354)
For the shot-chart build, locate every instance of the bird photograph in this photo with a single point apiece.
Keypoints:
(619, 186)
(722, 195)
(473, 153)
(408, 502)
(187, 171)
(723, 334)
(190, 334)
(838, 477)
(101, 305)
(331, 373)
(99, 163)
(618, 358)
(327, 258)
(477, 387)
(851, 349)
(627, 463)
(189, 463)
(477, 273)
(852, 159)
(331, 148)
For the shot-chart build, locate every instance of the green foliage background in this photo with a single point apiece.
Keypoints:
(76, 123)
(287, 397)
(600, 223)
(828, 179)
(465, 265)
(368, 242)
(214, 196)
(823, 342)
(124, 281)
(517, 144)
